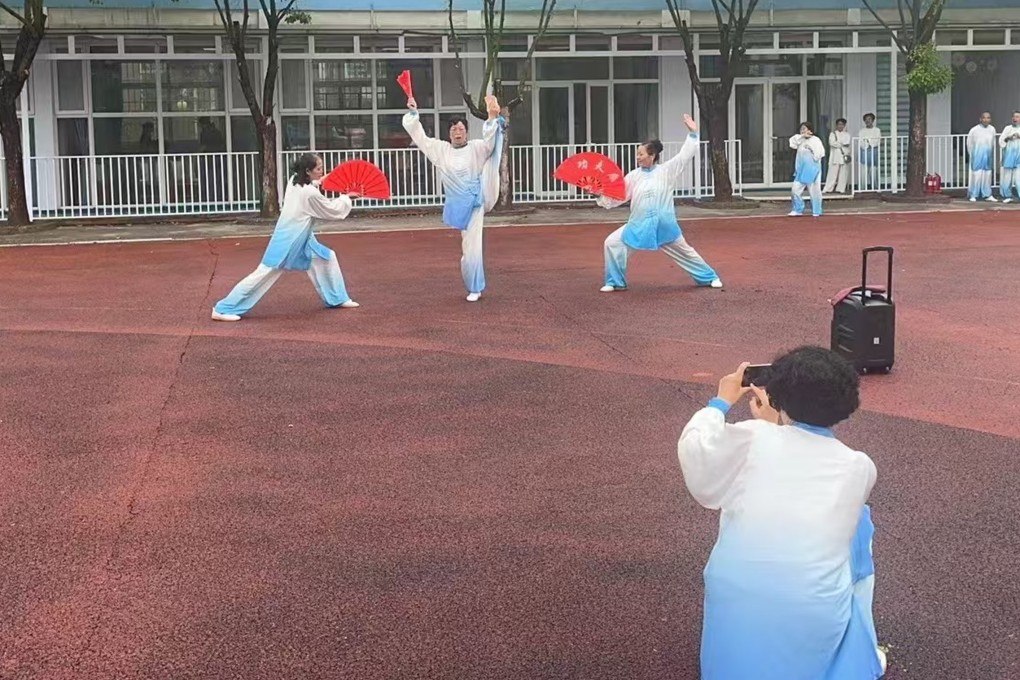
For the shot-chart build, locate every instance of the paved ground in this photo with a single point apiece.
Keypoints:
(187, 227)
(423, 488)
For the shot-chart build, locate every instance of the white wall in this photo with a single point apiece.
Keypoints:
(861, 89)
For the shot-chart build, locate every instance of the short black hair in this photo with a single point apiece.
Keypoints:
(457, 119)
(814, 386)
(303, 167)
(654, 148)
(868, 115)
(841, 120)
(807, 124)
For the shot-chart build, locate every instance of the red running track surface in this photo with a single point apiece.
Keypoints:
(423, 488)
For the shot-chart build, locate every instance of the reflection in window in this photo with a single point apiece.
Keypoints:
(118, 136)
(193, 86)
(295, 133)
(638, 120)
(123, 86)
(342, 85)
(343, 132)
(194, 135)
(390, 94)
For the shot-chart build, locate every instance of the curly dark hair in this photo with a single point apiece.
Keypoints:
(814, 386)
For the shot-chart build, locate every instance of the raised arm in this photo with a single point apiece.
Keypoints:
(795, 141)
(432, 148)
(674, 167)
(712, 453)
(323, 208)
(482, 148)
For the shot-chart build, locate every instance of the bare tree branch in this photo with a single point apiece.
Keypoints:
(524, 83)
(24, 22)
(900, 42)
(459, 65)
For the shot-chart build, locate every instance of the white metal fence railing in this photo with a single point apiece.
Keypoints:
(195, 184)
(873, 170)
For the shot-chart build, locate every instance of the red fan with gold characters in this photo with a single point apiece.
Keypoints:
(594, 173)
(358, 177)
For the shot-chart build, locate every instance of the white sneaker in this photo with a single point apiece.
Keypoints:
(973, 200)
(350, 304)
(216, 316)
(992, 199)
(1007, 200)
(882, 659)
(473, 297)
(793, 213)
(607, 289)
(717, 283)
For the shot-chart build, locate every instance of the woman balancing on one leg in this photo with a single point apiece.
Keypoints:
(293, 246)
(653, 224)
(470, 174)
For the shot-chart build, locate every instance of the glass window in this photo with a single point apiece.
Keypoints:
(515, 43)
(450, 95)
(298, 43)
(335, 43)
(379, 43)
(591, 42)
(392, 134)
(796, 40)
(238, 101)
(834, 39)
(293, 82)
(192, 44)
(193, 86)
(553, 43)
(672, 43)
(950, 37)
(756, 40)
(70, 93)
(73, 137)
(991, 37)
(573, 68)
(638, 120)
(344, 132)
(149, 44)
(633, 42)
(243, 136)
(710, 66)
(761, 65)
(423, 43)
(825, 106)
(825, 64)
(510, 69)
(635, 68)
(1014, 36)
(342, 85)
(202, 134)
(294, 133)
(520, 119)
(390, 94)
(120, 136)
(123, 86)
(874, 39)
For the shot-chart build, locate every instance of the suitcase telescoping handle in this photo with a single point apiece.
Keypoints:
(864, 269)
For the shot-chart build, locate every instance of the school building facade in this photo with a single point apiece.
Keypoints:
(133, 106)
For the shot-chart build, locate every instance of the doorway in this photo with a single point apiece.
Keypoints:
(569, 118)
(764, 114)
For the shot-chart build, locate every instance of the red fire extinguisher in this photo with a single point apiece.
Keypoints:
(933, 184)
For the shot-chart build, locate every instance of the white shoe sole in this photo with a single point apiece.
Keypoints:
(216, 316)
(474, 297)
(350, 304)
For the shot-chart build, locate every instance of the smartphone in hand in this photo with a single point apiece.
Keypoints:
(756, 374)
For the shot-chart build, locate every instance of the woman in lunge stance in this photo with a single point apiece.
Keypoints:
(293, 246)
(653, 224)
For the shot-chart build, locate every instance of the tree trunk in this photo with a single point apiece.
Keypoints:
(267, 146)
(718, 114)
(917, 145)
(10, 130)
(506, 174)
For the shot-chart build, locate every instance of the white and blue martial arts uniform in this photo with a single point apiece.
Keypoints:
(1009, 142)
(870, 140)
(981, 147)
(653, 224)
(807, 173)
(293, 247)
(470, 176)
(789, 583)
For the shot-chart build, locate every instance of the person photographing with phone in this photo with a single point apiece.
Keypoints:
(789, 583)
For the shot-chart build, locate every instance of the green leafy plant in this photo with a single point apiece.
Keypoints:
(926, 74)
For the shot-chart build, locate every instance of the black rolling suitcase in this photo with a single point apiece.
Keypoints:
(864, 321)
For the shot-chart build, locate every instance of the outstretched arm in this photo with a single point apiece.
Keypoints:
(432, 148)
(323, 208)
(610, 203)
(712, 454)
(674, 167)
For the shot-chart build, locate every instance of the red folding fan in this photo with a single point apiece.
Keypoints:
(358, 177)
(404, 81)
(593, 173)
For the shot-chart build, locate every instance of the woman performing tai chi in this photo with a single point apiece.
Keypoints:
(470, 174)
(653, 224)
(293, 246)
(789, 585)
